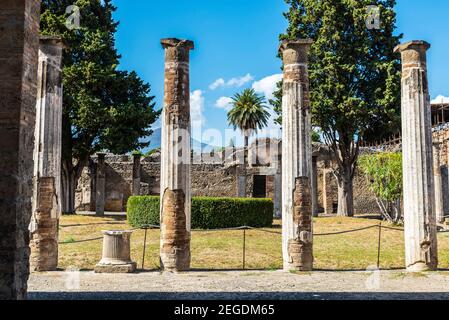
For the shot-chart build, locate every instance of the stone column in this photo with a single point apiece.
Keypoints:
(100, 185)
(314, 182)
(136, 175)
(47, 157)
(175, 158)
(438, 180)
(19, 45)
(278, 195)
(296, 148)
(419, 195)
(445, 190)
(328, 192)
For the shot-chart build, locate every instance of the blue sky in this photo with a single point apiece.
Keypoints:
(236, 44)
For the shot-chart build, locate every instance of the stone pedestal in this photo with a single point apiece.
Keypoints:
(136, 175)
(116, 253)
(176, 158)
(47, 157)
(296, 139)
(100, 185)
(419, 195)
(19, 45)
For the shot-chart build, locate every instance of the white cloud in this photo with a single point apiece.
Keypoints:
(233, 82)
(224, 103)
(238, 82)
(217, 83)
(267, 85)
(197, 107)
(440, 99)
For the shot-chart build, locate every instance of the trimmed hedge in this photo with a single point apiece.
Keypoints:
(207, 213)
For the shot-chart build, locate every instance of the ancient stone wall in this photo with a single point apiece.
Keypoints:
(19, 44)
(214, 180)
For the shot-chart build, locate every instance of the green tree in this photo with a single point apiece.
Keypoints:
(384, 173)
(104, 108)
(248, 114)
(354, 78)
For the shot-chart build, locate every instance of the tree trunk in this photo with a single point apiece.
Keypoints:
(70, 176)
(245, 160)
(345, 194)
(69, 184)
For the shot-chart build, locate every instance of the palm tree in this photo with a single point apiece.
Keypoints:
(248, 114)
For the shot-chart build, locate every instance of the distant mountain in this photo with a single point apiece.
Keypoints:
(156, 138)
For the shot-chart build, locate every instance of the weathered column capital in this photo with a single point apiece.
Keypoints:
(55, 41)
(176, 49)
(413, 53)
(296, 51)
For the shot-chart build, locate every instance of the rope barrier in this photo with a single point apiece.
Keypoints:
(347, 231)
(244, 240)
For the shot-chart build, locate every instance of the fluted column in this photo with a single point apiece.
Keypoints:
(419, 214)
(175, 158)
(296, 153)
(47, 157)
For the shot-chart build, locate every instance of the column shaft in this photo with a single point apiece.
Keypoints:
(296, 142)
(176, 158)
(419, 214)
(47, 157)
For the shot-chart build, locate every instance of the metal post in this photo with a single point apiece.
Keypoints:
(145, 227)
(244, 248)
(378, 245)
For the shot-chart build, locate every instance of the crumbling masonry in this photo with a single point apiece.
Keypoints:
(19, 45)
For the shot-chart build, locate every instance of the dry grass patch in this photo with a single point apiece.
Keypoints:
(217, 250)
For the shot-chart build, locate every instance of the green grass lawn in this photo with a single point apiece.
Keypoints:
(223, 249)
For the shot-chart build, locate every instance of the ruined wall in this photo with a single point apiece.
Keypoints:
(214, 180)
(19, 43)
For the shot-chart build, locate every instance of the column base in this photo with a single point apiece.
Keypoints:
(116, 268)
(295, 268)
(420, 267)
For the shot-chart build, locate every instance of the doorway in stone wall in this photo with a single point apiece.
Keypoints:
(259, 186)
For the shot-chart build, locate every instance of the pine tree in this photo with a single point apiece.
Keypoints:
(103, 108)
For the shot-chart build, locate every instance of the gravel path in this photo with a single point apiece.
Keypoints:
(277, 285)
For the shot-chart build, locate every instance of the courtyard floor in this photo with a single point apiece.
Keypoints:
(232, 285)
